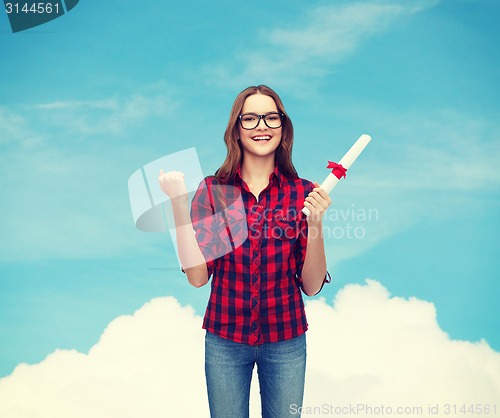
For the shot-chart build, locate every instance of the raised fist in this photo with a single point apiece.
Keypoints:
(172, 183)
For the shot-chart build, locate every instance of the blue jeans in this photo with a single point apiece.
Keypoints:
(281, 369)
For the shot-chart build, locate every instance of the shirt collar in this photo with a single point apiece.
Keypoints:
(276, 173)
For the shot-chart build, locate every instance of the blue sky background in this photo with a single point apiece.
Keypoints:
(87, 99)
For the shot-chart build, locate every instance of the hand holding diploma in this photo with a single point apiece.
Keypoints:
(316, 203)
(339, 170)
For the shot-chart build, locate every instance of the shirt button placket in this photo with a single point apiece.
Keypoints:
(256, 276)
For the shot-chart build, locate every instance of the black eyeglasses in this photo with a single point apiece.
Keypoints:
(272, 120)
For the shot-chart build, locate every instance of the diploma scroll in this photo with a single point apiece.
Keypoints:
(339, 170)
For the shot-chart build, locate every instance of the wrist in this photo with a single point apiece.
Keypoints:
(180, 201)
(314, 222)
(315, 229)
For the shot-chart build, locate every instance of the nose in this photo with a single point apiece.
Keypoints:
(261, 121)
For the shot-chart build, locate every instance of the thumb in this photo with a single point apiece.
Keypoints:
(161, 171)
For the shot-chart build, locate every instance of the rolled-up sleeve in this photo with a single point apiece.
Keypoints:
(301, 247)
(202, 218)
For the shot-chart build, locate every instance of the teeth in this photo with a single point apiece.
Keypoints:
(261, 138)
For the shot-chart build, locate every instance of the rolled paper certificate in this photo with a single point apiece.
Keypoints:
(339, 170)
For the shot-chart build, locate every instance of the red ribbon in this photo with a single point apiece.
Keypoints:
(337, 169)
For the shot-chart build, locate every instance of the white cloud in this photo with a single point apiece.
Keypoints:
(64, 193)
(432, 166)
(112, 115)
(146, 365)
(15, 130)
(59, 203)
(332, 31)
(368, 348)
(439, 149)
(327, 34)
(374, 349)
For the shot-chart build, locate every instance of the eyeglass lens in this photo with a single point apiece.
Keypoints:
(252, 120)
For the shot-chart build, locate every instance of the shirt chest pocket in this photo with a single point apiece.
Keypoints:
(284, 229)
(229, 230)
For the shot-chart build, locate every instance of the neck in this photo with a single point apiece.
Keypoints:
(255, 170)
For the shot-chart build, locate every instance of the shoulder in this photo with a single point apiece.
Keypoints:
(293, 193)
(209, 181)
(219, 194)
(203, 193)
(212, 180)
(207, 184)
(299, 184)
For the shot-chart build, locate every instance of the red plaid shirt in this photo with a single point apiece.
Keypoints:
(255, 250)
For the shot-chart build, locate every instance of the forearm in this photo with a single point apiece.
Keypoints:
(190, 255)
(314, 268)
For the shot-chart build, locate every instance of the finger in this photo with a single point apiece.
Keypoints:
(325, 198)
(314, 211)
(321, 191)
(309, 205)
(161, 171)
(311, 201)
(319, 203)
(317, 196)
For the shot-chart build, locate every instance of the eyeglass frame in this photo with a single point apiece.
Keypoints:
(262, 117)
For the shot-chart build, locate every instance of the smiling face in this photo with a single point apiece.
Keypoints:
(261, 141)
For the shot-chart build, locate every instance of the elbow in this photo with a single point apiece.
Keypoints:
(310, 290)
(312, 276)
(197, 276)
(197, 281)
(310, 293)
(311, 287)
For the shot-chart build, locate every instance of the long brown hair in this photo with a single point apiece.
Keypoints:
(283, 156)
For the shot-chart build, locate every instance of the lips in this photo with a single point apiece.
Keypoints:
(261, 137)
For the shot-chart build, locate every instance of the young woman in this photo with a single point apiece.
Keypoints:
(255, 314)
